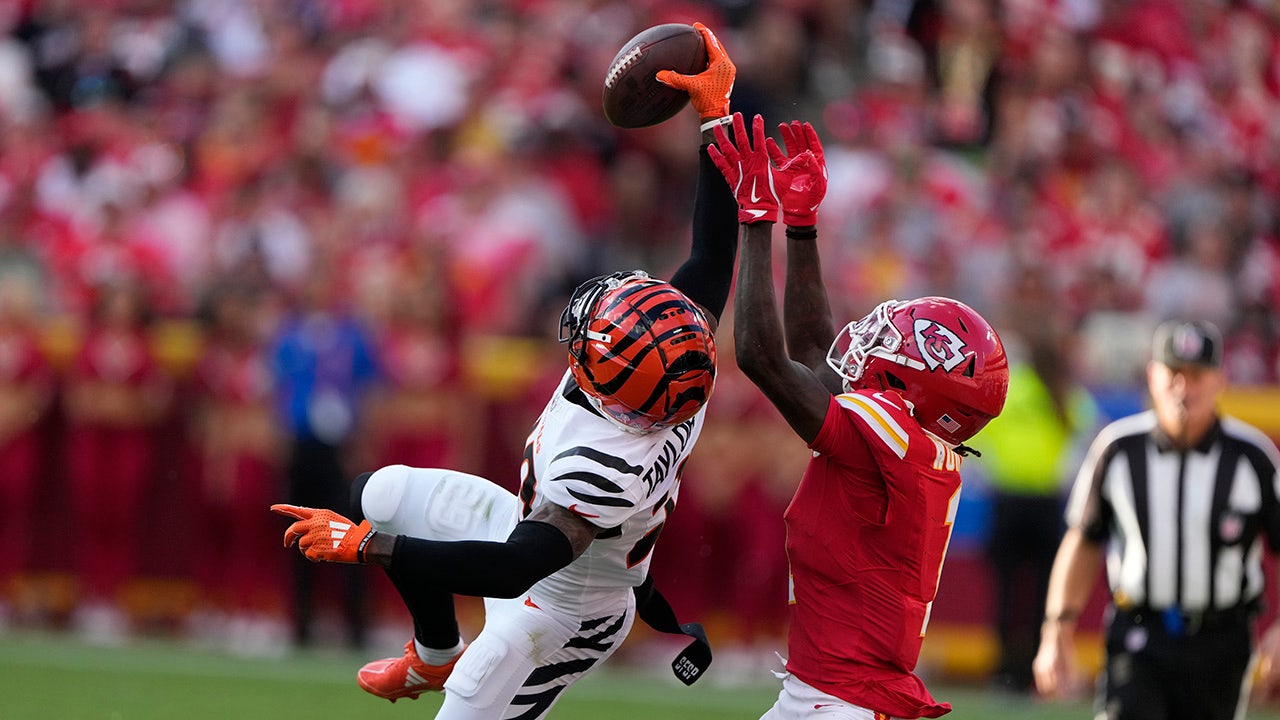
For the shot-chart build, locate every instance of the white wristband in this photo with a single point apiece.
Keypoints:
(718, 121)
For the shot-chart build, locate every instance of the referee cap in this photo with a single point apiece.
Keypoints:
(1179, 344)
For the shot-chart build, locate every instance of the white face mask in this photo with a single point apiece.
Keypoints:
(595, 403)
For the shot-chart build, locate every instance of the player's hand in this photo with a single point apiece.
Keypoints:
(709, 90)
(744, 162)
(805, 183)
(324, 535)
(1267, 676)
(1053, 667)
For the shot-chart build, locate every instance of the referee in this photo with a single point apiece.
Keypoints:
(1179, 499)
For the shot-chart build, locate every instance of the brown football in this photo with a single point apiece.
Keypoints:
(633, 97)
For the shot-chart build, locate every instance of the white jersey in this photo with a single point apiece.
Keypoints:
(624, 483)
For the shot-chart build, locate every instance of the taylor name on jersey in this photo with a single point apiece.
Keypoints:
(624, 483)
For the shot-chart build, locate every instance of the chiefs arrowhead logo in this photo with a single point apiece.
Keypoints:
(939, 346)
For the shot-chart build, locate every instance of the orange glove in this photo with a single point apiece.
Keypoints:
(709, 90)
(324, 535)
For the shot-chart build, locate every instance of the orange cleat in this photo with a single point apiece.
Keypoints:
(405, 676)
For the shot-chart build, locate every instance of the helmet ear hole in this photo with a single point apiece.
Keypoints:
(894, 381)
(971, 367)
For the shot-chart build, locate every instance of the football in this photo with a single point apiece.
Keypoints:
(633, 97)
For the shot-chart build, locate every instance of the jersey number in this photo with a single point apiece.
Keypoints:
(643, 546)
(953, 505)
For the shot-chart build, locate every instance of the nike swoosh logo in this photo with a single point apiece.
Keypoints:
(529, 601)
(574, 509)
(754, 197)
(757, 214)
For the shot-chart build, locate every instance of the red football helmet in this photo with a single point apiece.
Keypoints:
(640, 349)
(937, 353)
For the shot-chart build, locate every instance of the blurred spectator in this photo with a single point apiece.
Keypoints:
(1197, 284)
(507, 233)
(116, 393)
(239, 445)
(261, 235)
(174, 224)
(27, 385)
(962, 43)
(1119, 235)
(1029, 452)
(323, 364)
(422, 414)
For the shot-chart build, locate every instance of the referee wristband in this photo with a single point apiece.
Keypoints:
(716, 121)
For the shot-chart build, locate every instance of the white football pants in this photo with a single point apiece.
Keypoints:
(529, 650)
(801, 701)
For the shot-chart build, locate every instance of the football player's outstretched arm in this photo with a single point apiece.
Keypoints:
(761, 348)
(806, 311)
(549, 539)
(707, 275)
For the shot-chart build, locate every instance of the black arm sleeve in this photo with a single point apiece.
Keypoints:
(707, 276)
(481, 568)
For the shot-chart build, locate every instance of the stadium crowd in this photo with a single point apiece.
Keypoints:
(181, 179)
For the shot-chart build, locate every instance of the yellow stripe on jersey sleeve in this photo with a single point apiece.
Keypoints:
(879, 420)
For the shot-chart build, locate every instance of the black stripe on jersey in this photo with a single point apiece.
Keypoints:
(593, 623)
(1217, 509)
(538, 702)
(1135, 450)
(1179, 534)
(547, 673)
(571, 392)
(613, 462)
(1266, 471)
(602, 640)
(601, 499)
(1135, 463)
(595, 480)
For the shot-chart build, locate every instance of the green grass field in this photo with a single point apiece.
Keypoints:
(56, 678)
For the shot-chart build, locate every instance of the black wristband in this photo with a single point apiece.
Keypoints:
(802, 233)
(363, 544)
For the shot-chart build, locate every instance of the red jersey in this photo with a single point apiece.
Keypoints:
(867, 531)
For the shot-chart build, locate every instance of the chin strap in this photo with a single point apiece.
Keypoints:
(656, 612)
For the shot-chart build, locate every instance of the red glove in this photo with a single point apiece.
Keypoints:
(324, 535)
(746, 167)
(709, 90)
(805, 183)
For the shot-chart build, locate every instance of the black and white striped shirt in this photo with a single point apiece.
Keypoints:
(1183, 529)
